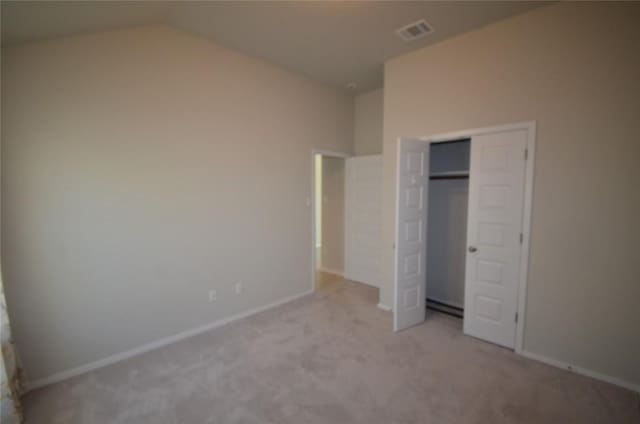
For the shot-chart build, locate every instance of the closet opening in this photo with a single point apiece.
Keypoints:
(449, 163)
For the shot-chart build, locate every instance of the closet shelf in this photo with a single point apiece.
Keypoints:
(448, 175)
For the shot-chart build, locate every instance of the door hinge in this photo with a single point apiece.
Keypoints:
(521, 238)
(526, 154)
(516, 317)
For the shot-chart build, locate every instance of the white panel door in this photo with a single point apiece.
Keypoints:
(411, 230)
(364, 219)
(496, 198)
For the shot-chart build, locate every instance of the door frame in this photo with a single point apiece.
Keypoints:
(312, 203)
(530, 127)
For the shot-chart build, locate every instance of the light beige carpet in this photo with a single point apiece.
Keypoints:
(331, 358)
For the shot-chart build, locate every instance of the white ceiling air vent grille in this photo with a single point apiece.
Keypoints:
(414, 30)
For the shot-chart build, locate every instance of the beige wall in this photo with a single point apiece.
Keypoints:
(367, 126)
(333, 213)
(141, 169)
(575, 69)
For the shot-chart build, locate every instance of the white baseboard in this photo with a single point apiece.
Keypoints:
(331, 271)
(582, 371)
(73, 372)
(384, 307)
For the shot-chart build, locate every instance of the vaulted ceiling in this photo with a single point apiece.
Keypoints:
(334, 42)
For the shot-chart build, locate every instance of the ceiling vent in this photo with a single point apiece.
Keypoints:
(414, 30)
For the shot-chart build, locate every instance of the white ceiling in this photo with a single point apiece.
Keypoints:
(334, 42)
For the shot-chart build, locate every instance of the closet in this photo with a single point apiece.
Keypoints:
(447, 225)
(462, 222)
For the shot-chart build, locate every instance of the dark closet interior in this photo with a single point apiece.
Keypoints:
(447, 225)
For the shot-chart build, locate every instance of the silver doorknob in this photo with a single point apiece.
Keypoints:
(472, 249)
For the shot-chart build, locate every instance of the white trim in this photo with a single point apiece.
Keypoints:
(330, 153)
(63, 375)
(530, 127)
(582, 371)
(331, 271)
(455, 135)
(396, 225)
(384, 307)
(312, 203)
(526, 235)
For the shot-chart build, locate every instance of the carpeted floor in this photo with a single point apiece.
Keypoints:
(331, 358)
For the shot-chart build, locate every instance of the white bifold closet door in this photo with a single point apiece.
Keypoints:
(496, 201)
(411, 230)
(363, 235)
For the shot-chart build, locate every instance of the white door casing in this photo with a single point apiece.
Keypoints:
(494, 240)
(411, 230)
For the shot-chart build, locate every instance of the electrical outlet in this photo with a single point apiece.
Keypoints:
(213, 295)
(238, 288)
